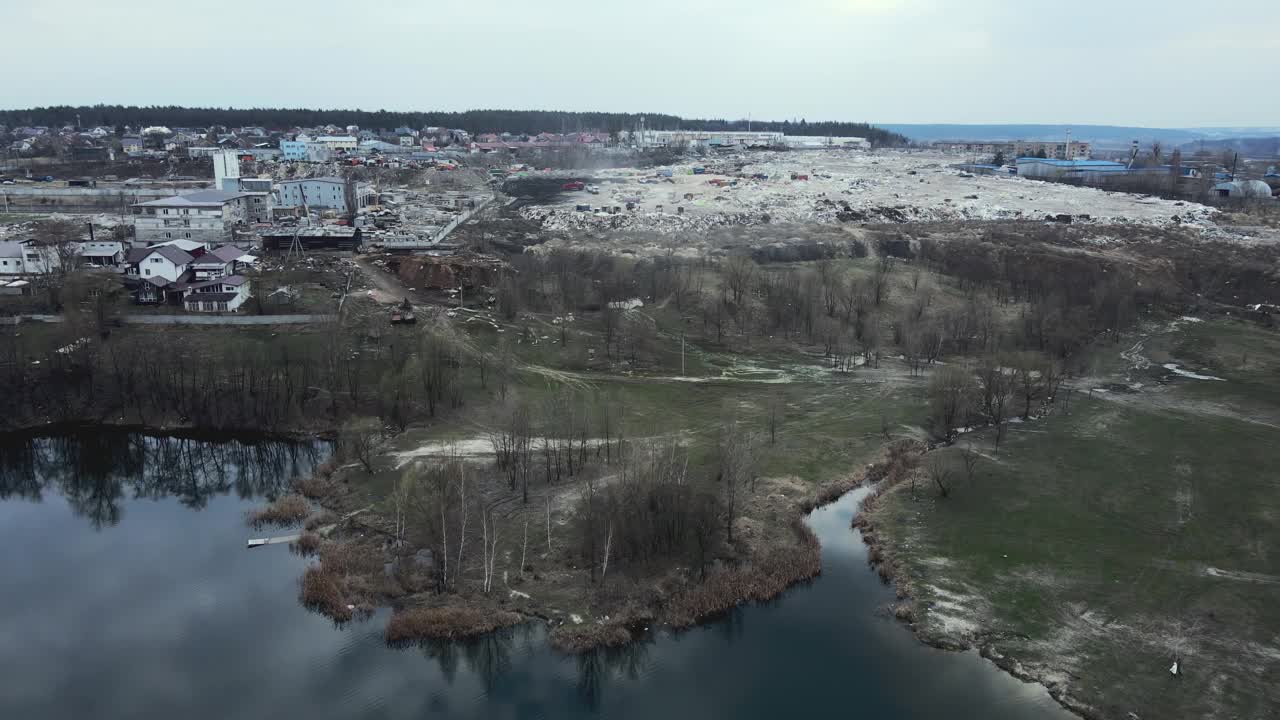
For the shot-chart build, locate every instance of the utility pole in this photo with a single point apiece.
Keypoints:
(681, 351)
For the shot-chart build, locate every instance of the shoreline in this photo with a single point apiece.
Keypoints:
(245, 435)
(762, 574)
(769, 576)
(885, 561)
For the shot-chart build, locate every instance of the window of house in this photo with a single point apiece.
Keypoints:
(146, 271)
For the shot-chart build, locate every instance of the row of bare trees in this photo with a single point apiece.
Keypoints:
(229, 380)
(991, 391)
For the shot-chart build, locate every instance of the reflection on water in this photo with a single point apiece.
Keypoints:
(154, 609)
(95, 470)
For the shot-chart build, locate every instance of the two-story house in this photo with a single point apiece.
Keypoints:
(223, 294)
(220, 262)
(27, 257)
(158, 274)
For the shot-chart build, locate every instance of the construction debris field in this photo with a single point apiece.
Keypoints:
(831, 187)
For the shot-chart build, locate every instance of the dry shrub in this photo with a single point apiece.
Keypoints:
(321, 592)
(579, 639)
(420, 623)
(307, 544)
(313, 487)
(286, 510)
(904, 612)
(326, 469)
(766, 578)
(320, 519)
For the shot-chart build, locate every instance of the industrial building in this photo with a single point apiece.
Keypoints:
(823, 142)
(706, 138)
(1085, 170)
(327, 193)
(310, 239)
(1243, 190)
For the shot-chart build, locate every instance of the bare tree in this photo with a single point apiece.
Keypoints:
(524, 545)
(950, 392)
(488, 544)
(57, 243)
(739, 272)
(359, 439)
(971, 457)
(1029, 373)
(774, 407)
(995, 391)
(880, 280)
(736, 462)
(940, 474)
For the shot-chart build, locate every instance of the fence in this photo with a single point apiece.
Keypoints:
(189, 319)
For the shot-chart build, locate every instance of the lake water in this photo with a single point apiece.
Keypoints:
(128, 593)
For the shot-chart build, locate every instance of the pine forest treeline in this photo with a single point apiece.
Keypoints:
(475, 121)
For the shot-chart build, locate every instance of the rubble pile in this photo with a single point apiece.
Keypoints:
(427, 272)
(833, 187)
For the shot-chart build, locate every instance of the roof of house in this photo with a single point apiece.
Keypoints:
(181, 244)
(210, 297)
(1071, 163)
(233, 280)
(177, 256)
(203, 198)
(227, 253)
(327, 179)
(209, 260)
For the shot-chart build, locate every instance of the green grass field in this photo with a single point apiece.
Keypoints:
(1108, 541)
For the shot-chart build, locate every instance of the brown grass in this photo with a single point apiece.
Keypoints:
(314, 487)
(579, 639)
(775, 569)
(326, 469)
(420, 623)
(766, 578)
(321, 592)
(320, 519)
(343, 558)
(286, 510)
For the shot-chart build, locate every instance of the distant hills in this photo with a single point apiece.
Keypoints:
(1105, 136)
(1248, 147)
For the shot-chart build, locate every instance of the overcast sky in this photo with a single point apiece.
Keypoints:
(1161, 63)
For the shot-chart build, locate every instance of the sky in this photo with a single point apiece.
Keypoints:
(1156, 63)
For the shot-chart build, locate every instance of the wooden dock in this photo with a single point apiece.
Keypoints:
(283, 539)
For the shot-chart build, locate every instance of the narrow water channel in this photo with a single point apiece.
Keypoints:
(128, 593)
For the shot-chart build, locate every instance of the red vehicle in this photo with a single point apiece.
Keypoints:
(575, 185)
(795, 176)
